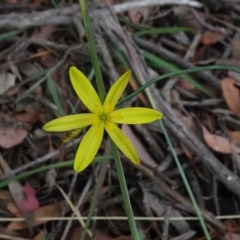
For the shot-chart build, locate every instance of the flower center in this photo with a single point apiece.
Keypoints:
(103, 117)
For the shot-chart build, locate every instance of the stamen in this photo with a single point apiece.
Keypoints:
(108, 109)
(94, 119)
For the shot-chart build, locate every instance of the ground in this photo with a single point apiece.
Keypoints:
(42, 197)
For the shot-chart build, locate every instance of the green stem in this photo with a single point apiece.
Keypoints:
(92, 49)
(172, 74)
(189, 190)
(125, 195)
(48, 167)
(190, 193)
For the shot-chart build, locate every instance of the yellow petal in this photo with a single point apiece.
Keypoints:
(85, 90)
(122, 142)
(116, 91)
(89, 146)
(135, 115)
(70, 122)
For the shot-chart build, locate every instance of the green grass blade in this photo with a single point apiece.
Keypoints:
(187, 186)
(10, 34)
(177, 73)
(52, 89)
(170, 67)
(92, 49)
(48, 167)
(121, 58)
(29, 90)
(132, 25)
(162, 30)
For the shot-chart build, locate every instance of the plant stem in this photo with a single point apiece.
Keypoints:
(125, 195)
(176, 73)
(189, 190)
(92, 49)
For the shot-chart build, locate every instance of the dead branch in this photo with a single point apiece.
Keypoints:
(64, 16)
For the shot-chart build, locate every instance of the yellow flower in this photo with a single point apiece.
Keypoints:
(102, 116)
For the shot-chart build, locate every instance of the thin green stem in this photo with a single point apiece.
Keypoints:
(48, 167)
(190, 193)
(92, 49)
(189, 190)
(172, 74)
(102, 94)
(125, 195)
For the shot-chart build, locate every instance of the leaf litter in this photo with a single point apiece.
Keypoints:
(49, 37)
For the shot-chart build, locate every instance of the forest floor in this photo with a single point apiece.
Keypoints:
(42, 197)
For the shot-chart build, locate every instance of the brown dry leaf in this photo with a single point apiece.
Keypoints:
(234, 75)
(34, 3)
(51, 210)
(16, 190)
(10, 134)
(44, 33)
(185, 84)
(218, 143)
(210, 37)
(5, 195)
(31, 115)
(136, 15)
(48, 60)
(11, 1)
(39, 236)
(231, 95)
(141, 151)
(235, 136)
(232, 236)
(186, 19)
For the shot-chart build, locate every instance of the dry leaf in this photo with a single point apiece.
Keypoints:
(39, 236)
(210, 37)
(141, 151)
(5, 195)
(10, 134)
(185, 84)
(234, 75)
(136, 15)
(31, 115)
(7, 80)
(51, 210)
(231, 95)
(232, 236)
(17, 193)
(218, 143)
(44, 33)
(235, 136)
(31, 203)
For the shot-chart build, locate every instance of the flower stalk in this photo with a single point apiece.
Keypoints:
(102, 117)
(124, 191)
